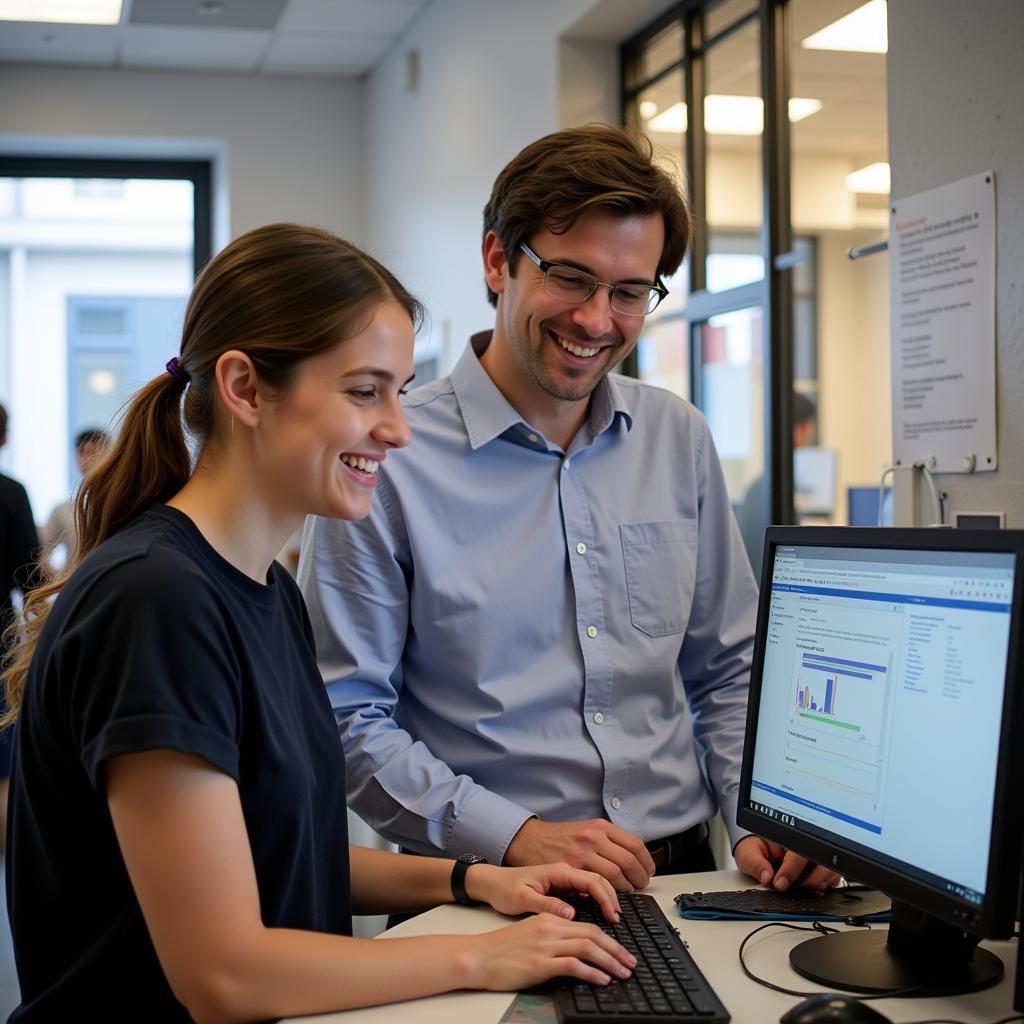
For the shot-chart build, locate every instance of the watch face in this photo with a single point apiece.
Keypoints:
(471, 858)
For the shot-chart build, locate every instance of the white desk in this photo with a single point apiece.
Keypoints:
(713, 945)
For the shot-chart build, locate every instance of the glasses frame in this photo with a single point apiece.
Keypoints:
(657, 288)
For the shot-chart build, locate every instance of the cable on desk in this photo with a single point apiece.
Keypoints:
(817, 926)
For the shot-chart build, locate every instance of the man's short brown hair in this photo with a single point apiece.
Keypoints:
(556, 179)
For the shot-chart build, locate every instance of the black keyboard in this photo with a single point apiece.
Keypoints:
(665, 986)
(766, 904)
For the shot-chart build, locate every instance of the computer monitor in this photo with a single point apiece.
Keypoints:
(884, 709)
(862, 506)
(814, 481)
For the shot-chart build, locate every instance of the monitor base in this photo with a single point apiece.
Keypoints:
(863, 961)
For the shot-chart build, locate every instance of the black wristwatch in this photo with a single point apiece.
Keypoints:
(462, 865)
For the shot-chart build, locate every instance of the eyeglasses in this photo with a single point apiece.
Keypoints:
(572, 285)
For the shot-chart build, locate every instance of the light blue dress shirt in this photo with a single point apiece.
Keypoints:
(516, 630)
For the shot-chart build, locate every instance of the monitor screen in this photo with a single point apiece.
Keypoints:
(814, 481)
(881, 707)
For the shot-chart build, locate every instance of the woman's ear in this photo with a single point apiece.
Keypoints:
(238, 387)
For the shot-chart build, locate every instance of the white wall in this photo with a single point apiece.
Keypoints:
(955, 97)
(295, 146)
(589, 85)
(489, 84)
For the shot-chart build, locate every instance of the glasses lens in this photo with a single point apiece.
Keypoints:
(571, 285)
(636, 300)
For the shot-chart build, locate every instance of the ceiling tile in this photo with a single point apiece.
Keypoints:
(225, 14)
(91, 44)
(225, 49)
(344, 53)
(362, 16)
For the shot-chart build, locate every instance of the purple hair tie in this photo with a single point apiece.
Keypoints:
(173, 367)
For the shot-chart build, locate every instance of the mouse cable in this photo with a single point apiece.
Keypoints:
(816, 926)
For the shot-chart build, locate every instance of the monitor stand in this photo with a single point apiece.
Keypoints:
(918, 952)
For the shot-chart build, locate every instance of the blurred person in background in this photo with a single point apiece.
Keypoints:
(750, 512)
(18, 546)
(59, 531)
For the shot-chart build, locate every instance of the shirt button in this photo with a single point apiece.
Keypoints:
(591, 631)
(565, 465)
(616, 803)
(581, 548)
(533, 438)
(598, 718)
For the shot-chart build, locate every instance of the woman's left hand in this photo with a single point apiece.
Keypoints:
(530, 890)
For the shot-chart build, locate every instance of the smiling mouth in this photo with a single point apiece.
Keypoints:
(573, 348)
(368, 467)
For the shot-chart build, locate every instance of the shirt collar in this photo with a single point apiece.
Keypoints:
(487, 414)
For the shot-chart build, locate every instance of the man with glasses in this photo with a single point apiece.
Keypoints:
(538, 645)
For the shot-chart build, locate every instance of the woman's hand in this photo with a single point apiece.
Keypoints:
(529, 890)
(542, 947)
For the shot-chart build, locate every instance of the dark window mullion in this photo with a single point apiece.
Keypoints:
(777, 239)
(696, 169)
(696, 146)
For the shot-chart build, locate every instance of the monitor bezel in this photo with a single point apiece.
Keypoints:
(995, 917)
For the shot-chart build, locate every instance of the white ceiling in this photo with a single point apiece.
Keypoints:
(308, 37)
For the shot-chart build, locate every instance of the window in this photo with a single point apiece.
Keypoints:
(96, 261)
(768, 307)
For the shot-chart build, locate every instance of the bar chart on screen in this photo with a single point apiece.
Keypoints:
(840, 693)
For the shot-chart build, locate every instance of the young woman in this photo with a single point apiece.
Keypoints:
(178, 838)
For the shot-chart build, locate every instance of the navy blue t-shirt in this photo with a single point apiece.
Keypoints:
(157, 642)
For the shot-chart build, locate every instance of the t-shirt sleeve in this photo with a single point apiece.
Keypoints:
(149, 661)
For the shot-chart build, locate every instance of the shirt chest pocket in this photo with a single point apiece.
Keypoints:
(661, 569)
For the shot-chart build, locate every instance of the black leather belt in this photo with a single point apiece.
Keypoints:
(671, 848)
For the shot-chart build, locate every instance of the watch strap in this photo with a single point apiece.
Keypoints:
(459, 869)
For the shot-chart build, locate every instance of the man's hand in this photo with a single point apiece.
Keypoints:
(779, 868)
(596, 845)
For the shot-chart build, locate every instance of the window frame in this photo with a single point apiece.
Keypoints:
(199, 172)
(774, 293)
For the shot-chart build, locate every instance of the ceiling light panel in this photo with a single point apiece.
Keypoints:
(66, 12)
(873, 180)
(861, 31)
(729, 115)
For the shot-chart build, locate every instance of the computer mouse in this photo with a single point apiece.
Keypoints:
(833, 1008)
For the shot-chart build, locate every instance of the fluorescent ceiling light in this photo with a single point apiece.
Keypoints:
(861, 31)
(68, 12)
(729, 115)
(874, 179)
